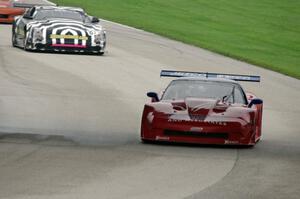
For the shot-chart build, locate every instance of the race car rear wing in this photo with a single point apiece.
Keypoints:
(30, 5)
(248, 78)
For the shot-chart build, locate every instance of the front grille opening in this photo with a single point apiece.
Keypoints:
(219, 135)
(4, 16)
(197, 117)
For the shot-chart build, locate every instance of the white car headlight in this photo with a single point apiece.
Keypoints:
(100, 36)
(38, 34)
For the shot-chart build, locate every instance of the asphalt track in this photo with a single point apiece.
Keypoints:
(70, 126)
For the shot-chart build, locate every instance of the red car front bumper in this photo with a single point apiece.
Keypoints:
(228, 131)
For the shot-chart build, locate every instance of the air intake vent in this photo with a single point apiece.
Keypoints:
(3, 16)
(196, 134)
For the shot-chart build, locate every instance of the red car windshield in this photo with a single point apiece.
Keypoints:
(226, 91)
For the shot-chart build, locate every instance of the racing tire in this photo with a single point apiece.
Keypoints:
(25, 43)
(13, 35)
(13, 39)
(144, 141)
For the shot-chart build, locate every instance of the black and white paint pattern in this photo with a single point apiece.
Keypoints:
(65, 27)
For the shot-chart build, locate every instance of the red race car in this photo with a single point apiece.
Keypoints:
(8, 10)
(205, 108)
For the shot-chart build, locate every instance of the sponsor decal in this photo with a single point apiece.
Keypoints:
(230, 142)
(53, 36)
(198, 120)
(196, 129)
(162, 138)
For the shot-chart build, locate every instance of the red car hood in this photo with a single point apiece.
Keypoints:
(201, 109)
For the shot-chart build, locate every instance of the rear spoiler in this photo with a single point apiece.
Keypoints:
(248, 78)
(28, 5)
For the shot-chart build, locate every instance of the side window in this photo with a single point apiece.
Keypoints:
(32, 11)
(27, 13)
(238, 96)
(230, 100)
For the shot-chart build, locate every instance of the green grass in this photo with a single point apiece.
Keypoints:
(262, 32)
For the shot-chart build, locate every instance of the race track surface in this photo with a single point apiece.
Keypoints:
(70, 126)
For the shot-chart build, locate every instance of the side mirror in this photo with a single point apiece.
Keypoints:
(154, 96)
(27, 17)
(255, 101)
(95, 20)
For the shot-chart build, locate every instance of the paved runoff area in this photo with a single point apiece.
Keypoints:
(69, 126)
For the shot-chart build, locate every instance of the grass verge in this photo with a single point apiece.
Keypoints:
(261, 32)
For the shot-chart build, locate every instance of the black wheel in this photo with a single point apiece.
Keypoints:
(25, 43)
(147, 141)
(100, 53)
(13, 37)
